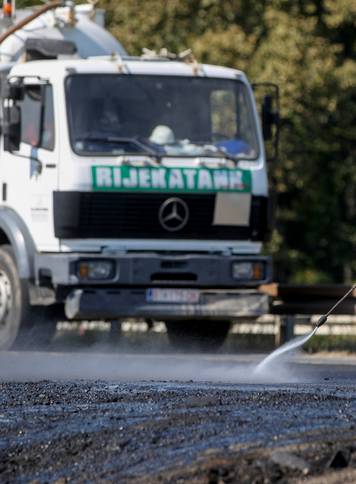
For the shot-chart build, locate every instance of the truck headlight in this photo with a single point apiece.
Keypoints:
(96, 269)
(248, 271)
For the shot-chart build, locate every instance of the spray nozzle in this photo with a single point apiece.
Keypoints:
(321, 321)
(324, 317)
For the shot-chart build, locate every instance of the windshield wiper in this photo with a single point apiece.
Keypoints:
(214, 150)
(225, 154)
(144, 149)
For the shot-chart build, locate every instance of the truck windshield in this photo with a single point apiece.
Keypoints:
(112, 115)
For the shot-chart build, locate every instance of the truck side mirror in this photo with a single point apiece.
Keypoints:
(36, 96)
(12, 128)
(267, 117)
(13, 90)
(268, 100)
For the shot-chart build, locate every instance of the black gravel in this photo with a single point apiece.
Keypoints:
(94, 431)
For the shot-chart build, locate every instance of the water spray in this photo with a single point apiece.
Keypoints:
(324, 317)
(300, 341)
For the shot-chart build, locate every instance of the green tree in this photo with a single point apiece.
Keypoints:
(307, 47)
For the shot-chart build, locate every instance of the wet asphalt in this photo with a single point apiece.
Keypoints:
(107, 417)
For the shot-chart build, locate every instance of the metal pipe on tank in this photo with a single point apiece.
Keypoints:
(33, 16)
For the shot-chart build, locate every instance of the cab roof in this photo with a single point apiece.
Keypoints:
(55, 69)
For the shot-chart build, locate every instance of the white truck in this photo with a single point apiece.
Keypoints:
(130, 187)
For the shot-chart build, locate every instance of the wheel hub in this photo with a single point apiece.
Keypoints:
(5, 297)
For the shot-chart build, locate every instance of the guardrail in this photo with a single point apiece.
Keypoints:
(291, 302)
(283, 328)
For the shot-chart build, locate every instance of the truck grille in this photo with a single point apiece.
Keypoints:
(136, 215)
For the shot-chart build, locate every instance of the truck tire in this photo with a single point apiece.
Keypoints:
(18, 319)
(197, 335)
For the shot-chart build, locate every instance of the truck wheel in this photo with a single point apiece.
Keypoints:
(193, 335)
(17, 317)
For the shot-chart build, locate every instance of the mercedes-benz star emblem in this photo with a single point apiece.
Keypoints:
(173, 214)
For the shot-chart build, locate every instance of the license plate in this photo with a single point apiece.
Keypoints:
(188, 296)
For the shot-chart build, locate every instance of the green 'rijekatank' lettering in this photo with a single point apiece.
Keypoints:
(162, 179)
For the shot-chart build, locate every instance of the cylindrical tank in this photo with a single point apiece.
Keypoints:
(85, 28)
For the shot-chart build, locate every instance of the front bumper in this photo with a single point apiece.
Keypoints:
(145, 269)
(108, 304)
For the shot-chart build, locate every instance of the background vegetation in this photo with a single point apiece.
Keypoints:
(308, 48)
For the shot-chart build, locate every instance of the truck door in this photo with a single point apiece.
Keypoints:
(32, 171)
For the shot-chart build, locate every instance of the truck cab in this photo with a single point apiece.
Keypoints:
(131, 187)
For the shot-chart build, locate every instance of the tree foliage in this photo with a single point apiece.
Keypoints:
(308, 48)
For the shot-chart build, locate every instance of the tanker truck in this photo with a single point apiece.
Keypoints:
(130, 186)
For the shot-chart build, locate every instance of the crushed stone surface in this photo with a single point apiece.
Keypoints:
(171, 431)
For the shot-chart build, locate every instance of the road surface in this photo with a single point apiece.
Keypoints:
(93, 417)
